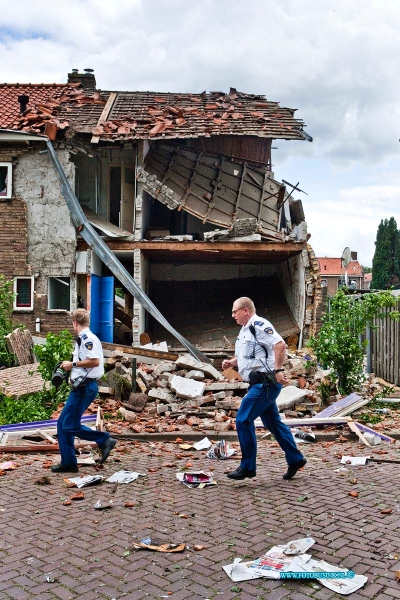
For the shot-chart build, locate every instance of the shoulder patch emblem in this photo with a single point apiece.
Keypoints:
(269, 330)
(89, 345)
(259, 323)
(84, 336)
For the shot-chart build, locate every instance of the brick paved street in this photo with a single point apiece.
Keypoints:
(89, 552)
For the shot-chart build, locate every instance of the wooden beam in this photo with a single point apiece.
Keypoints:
(104, 115)
(141, 351)
(270, 247)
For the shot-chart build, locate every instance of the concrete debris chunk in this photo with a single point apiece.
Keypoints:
(232, 403)
(147, 378)
(197, 375)
(127, 415)
(186, 361)
(289, 396)
(161, 394)
(231, 385)
(164, 367)
(187, 388)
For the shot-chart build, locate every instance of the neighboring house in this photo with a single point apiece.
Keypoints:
(367, 281)
(333, 274)
(180, 188)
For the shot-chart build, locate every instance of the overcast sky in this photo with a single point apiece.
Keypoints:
(336, 61)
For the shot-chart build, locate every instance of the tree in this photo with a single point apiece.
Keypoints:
(338, 345)
(386, 261)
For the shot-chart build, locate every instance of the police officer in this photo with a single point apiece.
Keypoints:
(87, 366)
(259, 355)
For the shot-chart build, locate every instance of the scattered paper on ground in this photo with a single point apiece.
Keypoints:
(124, 476)
(354, 461)
(197, 479)
(85, 481)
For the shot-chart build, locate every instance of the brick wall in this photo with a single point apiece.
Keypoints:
(50, 321)
(13, 239)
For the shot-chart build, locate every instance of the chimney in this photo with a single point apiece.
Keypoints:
(86, 79)
(354, 255)
(23, 103)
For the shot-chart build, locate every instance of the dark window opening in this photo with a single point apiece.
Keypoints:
(59, 293)
(115, 195)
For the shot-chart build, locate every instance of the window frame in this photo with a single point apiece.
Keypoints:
(58, 278)
(8, 194)
(15, 287)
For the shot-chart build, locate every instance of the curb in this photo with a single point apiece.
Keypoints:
(228, 436)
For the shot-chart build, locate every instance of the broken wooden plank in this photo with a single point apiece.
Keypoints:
(311, 421)
(99, 420)
(40, 448)
(383, 436)
(356, 430)
(44, 435)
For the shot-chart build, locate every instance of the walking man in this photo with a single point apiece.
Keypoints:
(259, 355)
(87, 366)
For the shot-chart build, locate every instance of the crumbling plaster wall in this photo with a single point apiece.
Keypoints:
(51, 234)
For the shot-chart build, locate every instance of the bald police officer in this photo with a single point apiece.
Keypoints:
(87, 367)
(259, 355)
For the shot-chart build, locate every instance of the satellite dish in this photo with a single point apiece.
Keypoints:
(346, 257)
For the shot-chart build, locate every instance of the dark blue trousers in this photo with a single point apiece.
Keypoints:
(69, 423)
(261, 402)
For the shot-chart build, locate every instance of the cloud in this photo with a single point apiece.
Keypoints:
(351, 220)
(336, 61)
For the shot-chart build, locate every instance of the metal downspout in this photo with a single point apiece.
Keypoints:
(90, 236)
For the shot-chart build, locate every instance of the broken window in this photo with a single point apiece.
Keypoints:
(59, 295)
(5, 180)
(23, 290)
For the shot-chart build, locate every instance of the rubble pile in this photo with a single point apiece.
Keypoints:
(172, 395)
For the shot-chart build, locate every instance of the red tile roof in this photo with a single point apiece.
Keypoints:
(38, 94)
(141, 115)
(368, 277)
(333, 266)
(169, 115)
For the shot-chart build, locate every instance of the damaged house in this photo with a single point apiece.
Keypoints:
(180, 190)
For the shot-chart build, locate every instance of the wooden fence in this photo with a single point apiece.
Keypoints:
(383, 352)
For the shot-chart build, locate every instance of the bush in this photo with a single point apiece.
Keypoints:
(32, 407)
(338, 344)
(58, 347)
(6, 322)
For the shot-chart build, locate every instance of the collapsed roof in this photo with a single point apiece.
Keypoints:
(111, 116)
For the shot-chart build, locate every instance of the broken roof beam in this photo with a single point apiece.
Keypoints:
(104, 115)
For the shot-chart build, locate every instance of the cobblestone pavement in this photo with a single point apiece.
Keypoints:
(89, 553)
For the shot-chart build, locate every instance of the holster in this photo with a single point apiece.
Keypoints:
(266, 379)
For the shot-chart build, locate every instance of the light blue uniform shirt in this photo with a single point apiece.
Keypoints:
(250, 355)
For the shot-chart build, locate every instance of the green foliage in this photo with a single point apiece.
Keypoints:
(338, 344)
(58, 347)
(6, 322)
(366, 269)
(32, 407)
(386, 261)
(119, 292)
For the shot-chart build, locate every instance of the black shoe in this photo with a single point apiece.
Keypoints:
(241, 474)
(292, 469)
(106, 449)
(65, 469)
